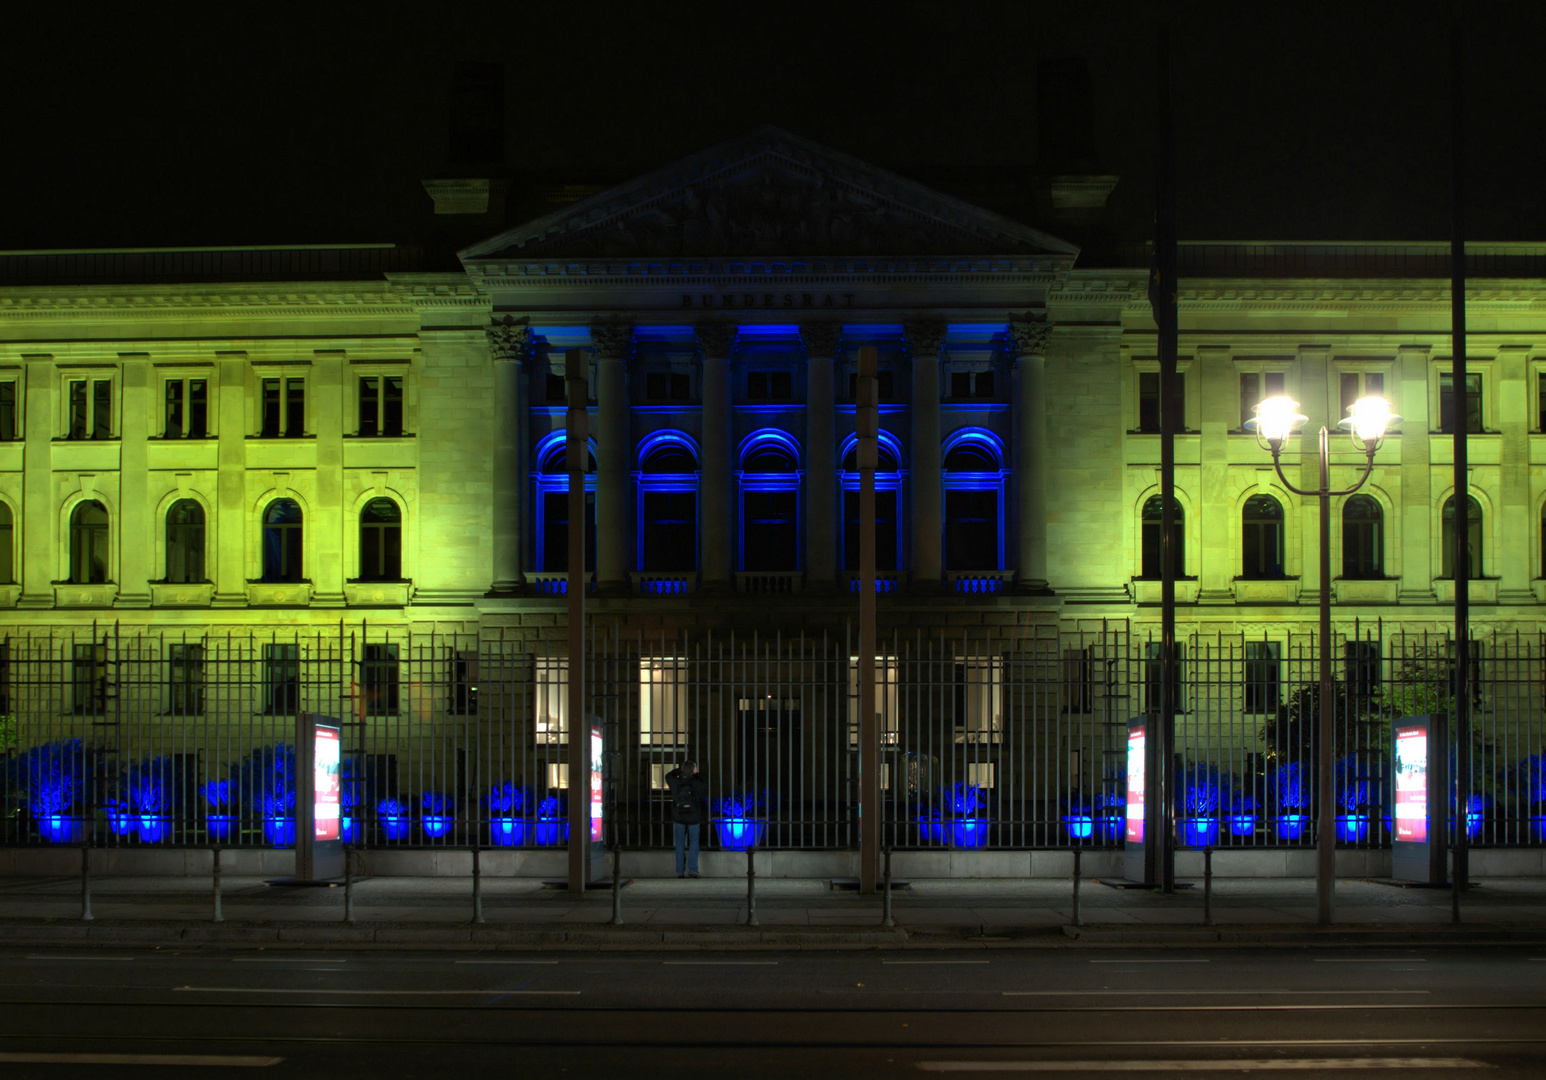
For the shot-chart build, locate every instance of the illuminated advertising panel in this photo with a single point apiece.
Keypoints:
(325, 791)
(596, 820)
(1411, 810)
(1135, 782)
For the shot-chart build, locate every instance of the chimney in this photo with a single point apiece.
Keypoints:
(1070, 188)
(475, 179)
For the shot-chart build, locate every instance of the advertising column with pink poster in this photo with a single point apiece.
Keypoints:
(1416, 848)
(1137, 866)
(319, 850)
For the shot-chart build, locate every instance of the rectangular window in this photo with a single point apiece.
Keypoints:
(283, 408)
(1473, 405)
(1262, 677)
(558, 776)
(90, 404)
(1149, 418)
(9, 426)
(1153, 675)
(101, 409)
(1362, 662)
(979, 699)
(658, 770)
(380, 680)
(979, 773)
(663, 701)
(269, 427)
(464, 683)
(1078, 681)
(281, 679)
(769, 386)
(1256, 387)
(198, 408)
(887, 714)
(185, 413)
(966, 385)
(172, 428)
(295, 408)
(185, 680)
(381, 405)
(886, 531)
(554, 390)
(552, 707)
(668, 386)
(88, 674)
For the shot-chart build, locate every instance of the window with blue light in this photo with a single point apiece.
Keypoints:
(668, 503)
(550, 517)
(888, 505)
(770, 503)
(974, 478)
(282, 541)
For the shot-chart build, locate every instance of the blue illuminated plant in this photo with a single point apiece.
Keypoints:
(508, 799)
(154, 786)
(52, 774)
(1198, 791)
(963, 800)
(738, 805)
(439, 804)
(1352, 786)
(391, 808)
(1291, 788)
(1075, 804)
(349, 784)
(266, 777)
(553, 807)
(272, 804)
(1242, 802)
(1113, 803)
(220, 794)
(1532, 779)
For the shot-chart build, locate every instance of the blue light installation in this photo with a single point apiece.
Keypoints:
(975, 477)
(769, 503)
(667, 504)
(550, 506)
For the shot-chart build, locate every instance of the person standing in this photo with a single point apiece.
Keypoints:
(689, 805)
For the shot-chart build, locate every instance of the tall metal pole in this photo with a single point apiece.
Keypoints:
(577, 453)
(1461, 694)
(867, 430)
(1325, 836)
(1166, 287)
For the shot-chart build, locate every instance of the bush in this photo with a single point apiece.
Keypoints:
(266, 778)
(1198, 791)
(738, 805)
(154, 786)
(554, 807)
(438, 804)
(273, 804)
(1532, 779)
(508, 799)
(53, 775)
(963, 800)
(1290, 788)
(391, 808)
(220, 794)
(1076, 805)
(1352, 785)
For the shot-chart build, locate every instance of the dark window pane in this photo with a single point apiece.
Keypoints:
(971, 530)
(380, 680)
(185, 542)
(756, 385)
(555, 531)
(1473, 538)
(295, 408)
(270, 424)
(1362, 659)
(1262, 676)
(1363, 539)
(1262, 538)
(781, 386)
(282, 541)
(1153, 525)
(7, 541)
(670, 530)
(960, 384)
(1148, 402)
(88, 544)
(381, 540)
(185, 680)
(657, 386)
(1473, 385)
(8, 426)
(78, 409)
(681, 387)
(886, 535)
(985, 384)
(554, 390)
(102, 409)
(1250, 395)
(885, 386)
(173, 429)
(198, 408)
(392, 407)
(370, 404)
(1349, 393)
(769, 529)
(282, 679)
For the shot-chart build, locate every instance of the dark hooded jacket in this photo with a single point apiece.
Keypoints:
(700, 789)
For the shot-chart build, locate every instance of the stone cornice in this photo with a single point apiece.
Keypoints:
(1394, 295)
(790, 272)
(403, 295)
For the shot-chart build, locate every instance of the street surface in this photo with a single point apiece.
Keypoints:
(1048, 1012)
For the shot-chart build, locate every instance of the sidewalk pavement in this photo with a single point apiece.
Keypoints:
(437, 912)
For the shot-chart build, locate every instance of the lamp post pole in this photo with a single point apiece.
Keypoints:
(1275, 419)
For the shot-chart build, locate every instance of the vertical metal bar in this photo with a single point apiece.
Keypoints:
(867, 426)
(1461, 693)
(885, 918)
(578, 421)
(219, 915)
(349, 884)
(1326, 840)
(1207, 885)
(751, 886)
(617, 884)
(1078, 868)
(86, 915)
(477, 885)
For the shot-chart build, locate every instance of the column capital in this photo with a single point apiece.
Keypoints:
(923, 340)
(822, 340)
(716, 340)
(1028, 334)
(509, 339)
(613, 339)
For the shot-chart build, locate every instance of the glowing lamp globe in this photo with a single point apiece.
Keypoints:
(1369, 418)
(1277, 418)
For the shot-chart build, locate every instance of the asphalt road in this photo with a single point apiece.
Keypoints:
(1039, 1012)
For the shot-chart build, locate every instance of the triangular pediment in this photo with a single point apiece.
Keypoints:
(768, 193)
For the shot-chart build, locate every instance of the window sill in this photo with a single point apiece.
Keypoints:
(282, 438)
(70, 595)
(279, 593)
(380, 438)
(1266, 590)
(377, 593)
(1147, 590)
(1365, 590)
(181, 593)
(1482, 590)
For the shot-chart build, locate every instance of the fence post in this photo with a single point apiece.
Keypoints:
(1207, 886)
(219, 915)
(886, 920)
(751, 886)
(1454, 892)
(349, 884)
(1077, 854)
(617, 886)
(86, 915)
(477, 886)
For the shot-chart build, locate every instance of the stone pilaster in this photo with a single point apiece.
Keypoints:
(716, 341)
(1515, 564)
(325, 420)
(1316, 403)
(924, 341)
(137, 544)
(822, 341)
(40, 518)
(509, 342)
(1218, 398)
(234, 523)
(614, 443)
(1418, 513)
(1028, 338)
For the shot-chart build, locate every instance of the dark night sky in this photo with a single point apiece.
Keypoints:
(132, 125)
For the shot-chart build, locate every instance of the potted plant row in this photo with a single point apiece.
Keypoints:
(738, 821)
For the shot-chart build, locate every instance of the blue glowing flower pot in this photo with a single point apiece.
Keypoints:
(349, 830)
(59, 829)
(1242, 824)
(396, 826)
(740, 834)
(931, 831)
(1197, 831)
(1080, 827)
(552, 831)
(509, 831)
(970, 832)
(437, 824)
(1352, 828)
(1291, 826)
(219, 826)
(279, 831)
(154, 828)
(1109, 830)
(122, 822)
(1473, 824)
(1538, 828)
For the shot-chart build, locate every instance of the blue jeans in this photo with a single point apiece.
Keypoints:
(686, 849)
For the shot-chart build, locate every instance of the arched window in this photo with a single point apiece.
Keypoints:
(770, 502)
(550, 525)
(668, 503)
(185, 542)
(282, 541)
(1261, 530)
(7, 551)
(1363, 538)
(381, 541)
(88, 543)
(1473, 534)
(1153, 534)
(888, 505)
(974, 477)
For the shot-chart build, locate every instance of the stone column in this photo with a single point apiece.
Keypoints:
(137, 542)
(1029, 336)
(923, 342)
(335, 525)
(1218, 395)
(39, 524)
(1416, 508)
(509, 342)
(614, 445)
(1315, 402)
(232, 529)
(821, 533)
(1515, 566)
(717, 538)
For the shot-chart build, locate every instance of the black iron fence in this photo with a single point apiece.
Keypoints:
(998, 739)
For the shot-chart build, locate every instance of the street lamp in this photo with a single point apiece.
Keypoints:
(1276, 419)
